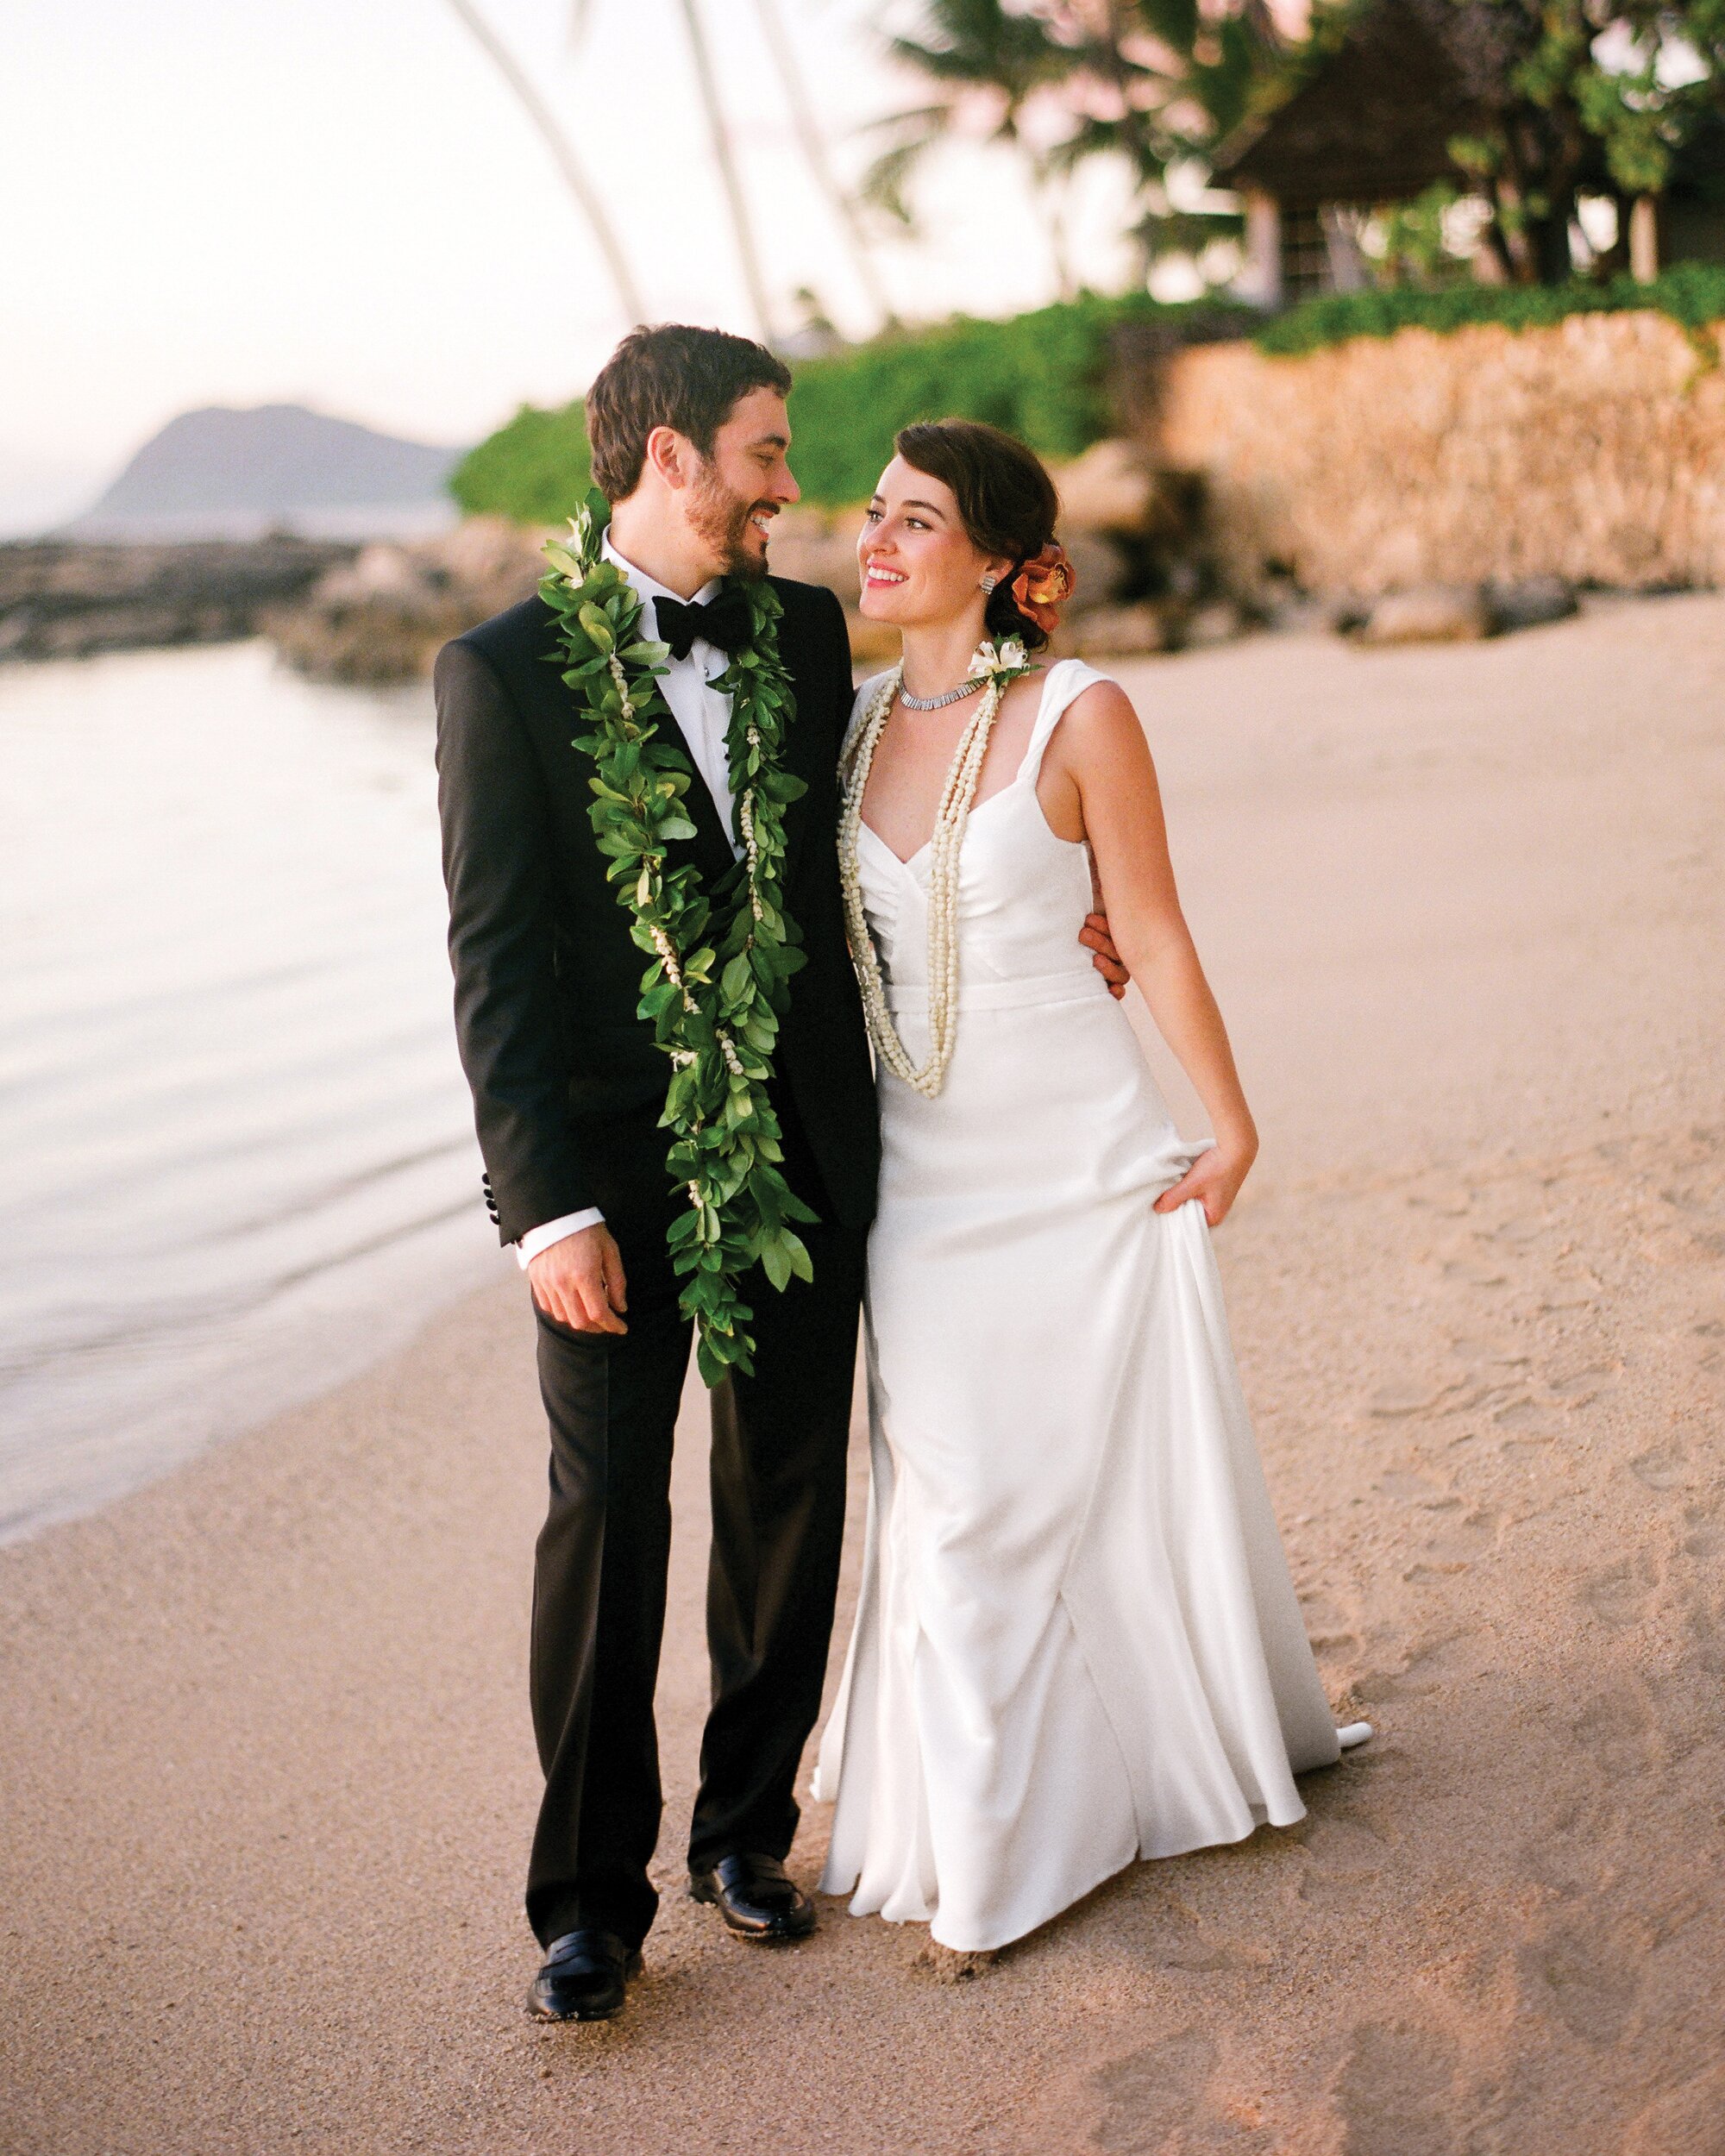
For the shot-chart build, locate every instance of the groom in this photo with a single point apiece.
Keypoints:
(689, 437)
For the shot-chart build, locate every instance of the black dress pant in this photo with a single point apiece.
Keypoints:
(778, 1475)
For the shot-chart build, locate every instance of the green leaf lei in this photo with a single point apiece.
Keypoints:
(716, 990)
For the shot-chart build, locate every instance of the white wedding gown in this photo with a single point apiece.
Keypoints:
(1077, 1642)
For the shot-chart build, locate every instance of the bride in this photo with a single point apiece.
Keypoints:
(1077, 1642)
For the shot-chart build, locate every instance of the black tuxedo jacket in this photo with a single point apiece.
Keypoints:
(568, 1084)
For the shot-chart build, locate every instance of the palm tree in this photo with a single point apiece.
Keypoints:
(980, 58)
(729, 176)
(1176, 77)
(814, 153)
(563, 155)
(1153, 82)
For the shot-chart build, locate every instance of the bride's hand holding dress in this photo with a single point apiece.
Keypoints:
(1099, 786)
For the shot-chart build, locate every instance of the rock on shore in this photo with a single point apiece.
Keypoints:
(381, 618)
(63, 599)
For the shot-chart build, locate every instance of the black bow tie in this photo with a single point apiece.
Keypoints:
(724, 620)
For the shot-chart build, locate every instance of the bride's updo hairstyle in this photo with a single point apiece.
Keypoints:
(1008, 506)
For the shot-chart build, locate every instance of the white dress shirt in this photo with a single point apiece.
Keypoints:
(703, 718)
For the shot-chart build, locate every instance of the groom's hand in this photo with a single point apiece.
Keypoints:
(1104, 957)
(578, 1282)
(1097, 939)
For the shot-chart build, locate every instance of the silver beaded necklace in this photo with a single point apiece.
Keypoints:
(934, 703)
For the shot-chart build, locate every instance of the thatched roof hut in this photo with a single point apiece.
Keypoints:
(1371, 125)
(1373, 122)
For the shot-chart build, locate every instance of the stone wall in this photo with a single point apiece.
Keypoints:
(1593, 451)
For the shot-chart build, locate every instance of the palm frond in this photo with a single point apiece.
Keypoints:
(885, 181)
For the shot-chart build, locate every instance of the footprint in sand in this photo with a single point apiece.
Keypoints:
(1344, 1857)
(1664, 1467)
(1163, 2098)
(1706, 1536)
(1574, 1840)
(1524, 1414)
(1330, 1629)
(1411, 1488)
(1620, 1594)
(1391, 1403)
(1203, 1955)
(1580, 1387)
(1521, 1227)
(1525, 1452)
(1401, 2093)
(1617, 1730)
(1444, 1666)
(1590, 1978)
(1462, 1540)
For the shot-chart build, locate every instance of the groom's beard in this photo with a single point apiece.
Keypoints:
(721, 518)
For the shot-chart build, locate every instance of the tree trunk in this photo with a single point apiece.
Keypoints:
(753, 281)
(814, 155)
(1140, 153)
(562, 152)
(1552, 262)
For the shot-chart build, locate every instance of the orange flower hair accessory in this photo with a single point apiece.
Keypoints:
(1044, 584)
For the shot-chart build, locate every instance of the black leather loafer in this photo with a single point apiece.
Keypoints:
(756, 1896)
(583, 1978)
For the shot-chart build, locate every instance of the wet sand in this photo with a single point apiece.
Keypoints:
(265, 1775)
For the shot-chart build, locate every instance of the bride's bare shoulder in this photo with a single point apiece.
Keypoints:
(1100, 717)
(1025, 694)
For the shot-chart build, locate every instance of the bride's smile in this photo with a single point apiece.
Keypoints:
(917, 564)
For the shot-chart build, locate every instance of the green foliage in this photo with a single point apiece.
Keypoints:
(716, 989)
(1640, 107)
(966, 47)
(1692, 294)
(1147, 82)
(535, 469)
(1041, 376)
(1593, 96)
(1408, 243)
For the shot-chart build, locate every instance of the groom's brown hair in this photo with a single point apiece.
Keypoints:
(670, 376)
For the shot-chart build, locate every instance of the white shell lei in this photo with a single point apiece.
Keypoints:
(945, 846)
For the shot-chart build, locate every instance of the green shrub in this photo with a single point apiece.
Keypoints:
(535, 469)
(1692, 293)
(1041, 376)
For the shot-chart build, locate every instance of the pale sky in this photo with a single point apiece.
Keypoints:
(337, 202)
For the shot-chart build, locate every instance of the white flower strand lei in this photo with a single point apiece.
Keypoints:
(945, 846)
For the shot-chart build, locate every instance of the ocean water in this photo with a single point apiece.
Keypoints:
(236, 1156)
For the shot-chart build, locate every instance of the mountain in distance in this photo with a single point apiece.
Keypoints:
(223, 474)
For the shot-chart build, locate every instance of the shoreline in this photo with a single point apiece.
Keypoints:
(265, 1761)
(244, 1147)
(305, 1373)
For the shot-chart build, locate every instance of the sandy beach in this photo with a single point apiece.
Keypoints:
(265, 1773)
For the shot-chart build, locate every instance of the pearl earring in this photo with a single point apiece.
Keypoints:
(990, 582)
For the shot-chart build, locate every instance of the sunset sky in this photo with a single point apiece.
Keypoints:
(337, 203)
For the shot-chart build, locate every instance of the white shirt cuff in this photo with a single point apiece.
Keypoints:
(542, 1239)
